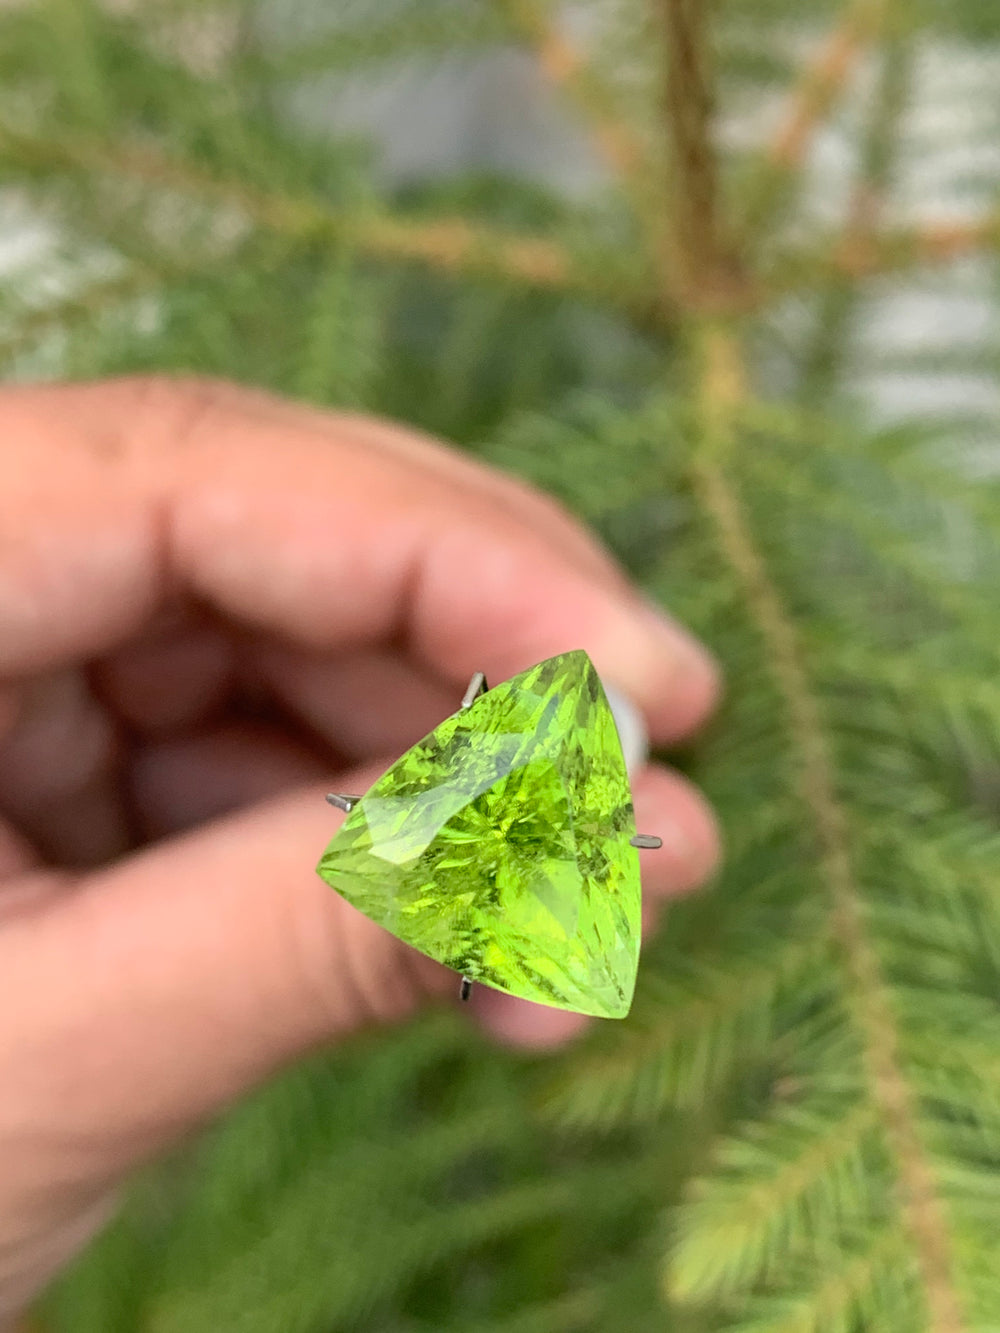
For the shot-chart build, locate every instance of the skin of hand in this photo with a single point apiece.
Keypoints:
(214, 607)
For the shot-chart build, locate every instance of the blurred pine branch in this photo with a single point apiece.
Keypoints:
(798, 1128)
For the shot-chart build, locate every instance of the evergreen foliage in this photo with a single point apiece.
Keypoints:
(798, 1129)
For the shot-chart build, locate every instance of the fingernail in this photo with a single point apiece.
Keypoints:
(691, 654)
(631, 727)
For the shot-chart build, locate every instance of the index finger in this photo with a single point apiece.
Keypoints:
(290, 521)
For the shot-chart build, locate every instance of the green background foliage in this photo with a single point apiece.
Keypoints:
(798, 1128)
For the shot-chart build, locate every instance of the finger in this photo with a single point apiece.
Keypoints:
(296, 530)
(58, 772)
(368, 434)
(233, 957)
(16, 857)
(175, 674)
(9, 708)
(363, 704)
(517, 1022)
(670, 807)
(180, 782)
(537, 509)
(184, 781)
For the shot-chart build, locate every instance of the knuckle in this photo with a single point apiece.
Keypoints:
(552, 521)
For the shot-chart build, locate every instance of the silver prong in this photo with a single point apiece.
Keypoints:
(342, 802)
(465, 990)
(647, 840)
(477, 686)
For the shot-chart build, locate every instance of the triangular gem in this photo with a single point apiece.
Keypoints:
(500, 844)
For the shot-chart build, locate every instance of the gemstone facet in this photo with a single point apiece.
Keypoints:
(500, 844)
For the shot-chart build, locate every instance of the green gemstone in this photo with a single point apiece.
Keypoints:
(499, 844)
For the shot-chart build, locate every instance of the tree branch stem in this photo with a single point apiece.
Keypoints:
(721, 394)
(448, 244)
(705, 278)
(565, 66)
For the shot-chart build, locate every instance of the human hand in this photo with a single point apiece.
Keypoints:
(212, 600)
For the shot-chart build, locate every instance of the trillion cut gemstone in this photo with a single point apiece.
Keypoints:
(500, 844)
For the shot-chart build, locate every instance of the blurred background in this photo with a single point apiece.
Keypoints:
(723, 278)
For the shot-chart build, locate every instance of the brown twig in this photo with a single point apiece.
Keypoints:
(455, 246)
(722, 394)
(707, 274)
(921, 1207)
(450, 245)
(565, 66)
(865, 254)
(624, 151)
(932, 243)
(821, 364)
(822, 80)
(809, 103)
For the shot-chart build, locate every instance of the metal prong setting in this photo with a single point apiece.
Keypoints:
(477, 686)
(465, 990)
(647, 840)
(342, 802)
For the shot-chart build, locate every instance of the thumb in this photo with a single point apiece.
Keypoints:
(143, 1001)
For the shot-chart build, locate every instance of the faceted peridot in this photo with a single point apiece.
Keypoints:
(499, 844)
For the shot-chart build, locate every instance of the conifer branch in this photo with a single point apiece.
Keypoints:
(795, 1177)
(902, 247)
(722, 392)
(821, 364)
(923, 1211)
(450, 245)
(569, 1313)
(892, 546)
(868, 1011)
(864, 254)
(830, 1304)
(706, 279)
(711, 1023)
(30, 325)
(822, 80)
(565, 66)
(733, 1221)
